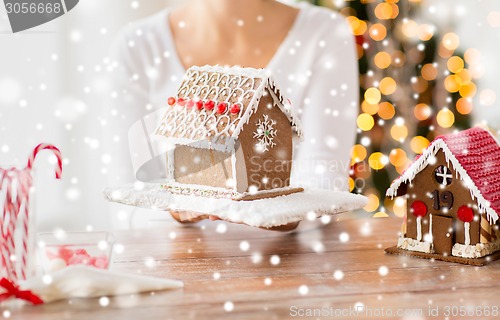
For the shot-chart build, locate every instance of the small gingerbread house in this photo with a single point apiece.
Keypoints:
(230, 132)
(453, 198)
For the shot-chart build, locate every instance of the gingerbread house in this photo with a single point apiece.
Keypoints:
(230, 133)
(453, 199)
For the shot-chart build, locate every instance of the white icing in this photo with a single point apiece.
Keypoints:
(419, 228)
(258, 213)
(423, 161)
(414, 245)
(431, 234)
(467, 233)
(207, 129)
(265, 133)
(215, 192)
(475, 251)
(171, 162)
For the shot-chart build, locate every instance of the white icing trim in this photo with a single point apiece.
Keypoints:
(239, 170)
(171, 162)
(467, 233)
(287, 110)
(431, 234)
(475, 251)
(419, 228)
(195, 125)
(414, 245)
(423, 161)
(214, 192)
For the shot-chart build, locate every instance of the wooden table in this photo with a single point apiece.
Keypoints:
(225, 265)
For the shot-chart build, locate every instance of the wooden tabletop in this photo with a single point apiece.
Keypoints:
(238, 272)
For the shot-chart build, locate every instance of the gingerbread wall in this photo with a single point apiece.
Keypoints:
(202, 166)
(274, 164)
(422, 188)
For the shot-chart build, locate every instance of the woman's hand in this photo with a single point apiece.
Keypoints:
(192, 217)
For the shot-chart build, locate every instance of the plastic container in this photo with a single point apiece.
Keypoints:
(58, 250)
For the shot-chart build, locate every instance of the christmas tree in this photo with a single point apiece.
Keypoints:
(415, 84)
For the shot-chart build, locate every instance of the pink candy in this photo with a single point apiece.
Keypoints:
(78, 256)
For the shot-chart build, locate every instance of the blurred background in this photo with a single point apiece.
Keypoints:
(427, 67)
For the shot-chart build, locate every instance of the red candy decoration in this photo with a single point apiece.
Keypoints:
(199, 104)
(171, 101)
(222, 108)
(209, 105)
(465, 214)
(181, 102)
(235, 109)
(418, 208)
(190, 104)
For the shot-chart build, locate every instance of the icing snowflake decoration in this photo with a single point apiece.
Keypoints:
(265, 134)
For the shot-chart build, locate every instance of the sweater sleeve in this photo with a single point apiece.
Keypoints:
(329, 110)
(127, 102)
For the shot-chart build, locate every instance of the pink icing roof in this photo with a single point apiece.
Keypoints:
(479, 154)
(475, 154)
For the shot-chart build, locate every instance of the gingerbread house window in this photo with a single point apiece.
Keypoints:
(443, 175)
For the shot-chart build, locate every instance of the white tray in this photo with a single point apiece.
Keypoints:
(270, 212)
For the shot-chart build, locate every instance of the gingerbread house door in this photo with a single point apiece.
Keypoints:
(442, 234)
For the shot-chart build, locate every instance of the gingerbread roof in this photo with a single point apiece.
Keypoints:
(475, 156)
(214, 103)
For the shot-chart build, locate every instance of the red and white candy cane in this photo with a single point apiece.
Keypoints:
(57, 153)
(17, 185)
(24, 188)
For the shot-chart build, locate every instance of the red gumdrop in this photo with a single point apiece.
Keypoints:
(199, 104)
(222, 108)
(235, 109)
(465, 214)
(418, 208)
(209, 105)
(181, 101)
(79, 259)
(171, 101)
(101, 262)
(82, 252)
(189, 104)
(65, 253)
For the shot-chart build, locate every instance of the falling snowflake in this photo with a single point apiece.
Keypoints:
(265, 133)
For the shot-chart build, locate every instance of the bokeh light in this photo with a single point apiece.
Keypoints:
(472, 56)
(365, 122)
(418, 144)
(464, 105)
(429, 72)
(455, 64)
(468, 90)
(410, 28)
(451, 41)
(398, 157)
(378, 32)
(453, 83)
(426, 32)
(382, 60)
(373, 202)
(422, 111)
(369, 108)
(373, 96)
(358, 153)
(399, 132)
(445, 118)
(377, 160)
(384, 11)
(387, 86)
(386, 110)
